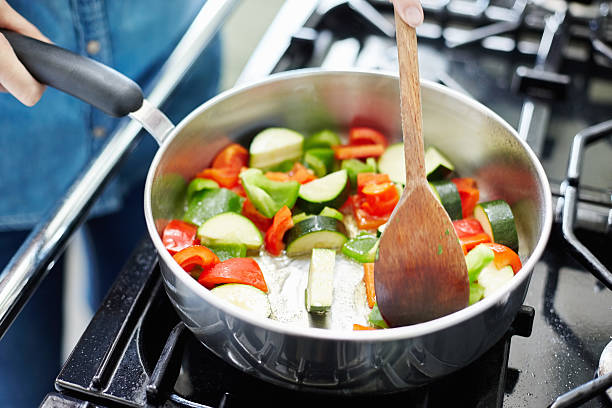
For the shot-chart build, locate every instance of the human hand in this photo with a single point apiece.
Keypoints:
(14, 77)
(410, 11)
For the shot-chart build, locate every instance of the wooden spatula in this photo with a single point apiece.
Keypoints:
(420, 273)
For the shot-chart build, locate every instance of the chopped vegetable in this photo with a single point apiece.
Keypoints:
(225, 177)
(196, 259)
(477, 259)
(234, 270)
(361, 327)
(368, 280)
(233, 156)
(245, 296)
(358, 152)
(301, 217)
(277, 176)
(301, 174)
(273, 146)
(467, 227)
(230, 228)
(476, 293)
(363, 179)
(376, 319)
(392, 163)
(320, 160)
(469, 194)
(381, 199)
(446, 192)
(315, 232)
(320, 288)
(227, 251)
(364, 219)
(365, 135)
(491, 278)
(329, 191)
(505, 256)
(179, 235)
(353, 167)
(323, 138)
(199, 184)
(266, 195)
(470, 241)
(207, 203)
(249, 211)
(498, 223)
(332, 212)
(437, 166)
(274, 236)
(362, 248)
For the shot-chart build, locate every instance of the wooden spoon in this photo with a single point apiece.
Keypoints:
(420, 273)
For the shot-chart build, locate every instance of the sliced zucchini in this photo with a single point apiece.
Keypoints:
(354, 166)
(274, 146)
(315, 232)
(332, 212)
(437, 166)
(392, 162)
(245, 296)
(497, 221)
(230, 228)
(329, 191)
(300, 217)
(319, 292)
(448, 195)
(370, 161)
(381, 229)
(476, 293)
(375, 318)
(324, 138)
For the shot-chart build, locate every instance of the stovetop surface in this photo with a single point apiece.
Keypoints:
(114, 361)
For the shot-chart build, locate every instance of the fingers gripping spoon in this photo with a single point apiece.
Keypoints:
(420, 273)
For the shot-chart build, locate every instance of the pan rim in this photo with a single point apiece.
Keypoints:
(387, 335)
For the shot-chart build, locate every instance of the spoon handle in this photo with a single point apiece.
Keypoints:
(410, 102)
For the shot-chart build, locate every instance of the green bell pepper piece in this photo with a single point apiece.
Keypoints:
(376, 319)
(354, 167)
(324, 138)
(283, 166)
(320, 160)
(227, 251)
(208, 203)
(370, 161)
(362, 248)
(479, 257)
(199, 184)
(266, 195)
(332, 212)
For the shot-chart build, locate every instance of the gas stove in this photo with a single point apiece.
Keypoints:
(546, 68)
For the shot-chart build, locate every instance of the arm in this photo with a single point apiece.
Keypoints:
(410, 11)
(14, 78)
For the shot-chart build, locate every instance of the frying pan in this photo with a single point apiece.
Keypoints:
(299, 356)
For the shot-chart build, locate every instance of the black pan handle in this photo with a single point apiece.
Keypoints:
(79, 76)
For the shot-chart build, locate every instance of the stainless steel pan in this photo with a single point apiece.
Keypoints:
(478, 141)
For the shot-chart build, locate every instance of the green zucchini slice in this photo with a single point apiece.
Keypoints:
(448, 195)
(437, 166)
(497, 221)
(230, 228)
(245, 296)
(320, 288)
(315, 232)
(329, 191)
(392, 163)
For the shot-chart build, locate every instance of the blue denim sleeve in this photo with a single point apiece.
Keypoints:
(42, 149)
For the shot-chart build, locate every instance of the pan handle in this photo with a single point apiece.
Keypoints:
(82, 77)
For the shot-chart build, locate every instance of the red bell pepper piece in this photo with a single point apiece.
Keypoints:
(238, 189)
(381, 199)
(467, 227)
(364, 179)
(196, 256)
(505, 256)
(358, 152)
(249, 211)
(364, 219)
(277, 176)
(179, 235)
(362, 327)
(469, 194)
(274, 236)
(234, 270)
(368, 279)
(365, 135)
(470, 241)
(233, 156)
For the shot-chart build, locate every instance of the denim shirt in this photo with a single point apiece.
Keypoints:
(44, 148)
